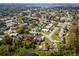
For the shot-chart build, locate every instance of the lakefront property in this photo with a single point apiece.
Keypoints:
(39, 29)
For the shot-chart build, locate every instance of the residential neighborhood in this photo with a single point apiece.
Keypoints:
(43, 31)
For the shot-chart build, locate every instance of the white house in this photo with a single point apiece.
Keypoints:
(13, 34)
(45, 30)
(49, 26)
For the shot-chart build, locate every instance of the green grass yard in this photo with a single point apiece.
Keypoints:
(46, 33)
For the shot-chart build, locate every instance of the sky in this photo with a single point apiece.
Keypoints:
(39, 1)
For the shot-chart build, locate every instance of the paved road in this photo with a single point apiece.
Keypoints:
(51, 39)
(55, 29)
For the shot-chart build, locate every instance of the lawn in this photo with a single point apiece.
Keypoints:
(47, 41)
(46, 33)
(55, 37)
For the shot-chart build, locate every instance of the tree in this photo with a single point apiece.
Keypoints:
(27, 44)
(70, 39)
(1, 42)
(7, 40)
(20, 51)
(27, 36)
(4, 50)
(15, 43)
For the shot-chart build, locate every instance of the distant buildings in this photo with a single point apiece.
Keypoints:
(36, 21)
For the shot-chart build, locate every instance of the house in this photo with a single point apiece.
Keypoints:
(37, 39)
(26, 12)
(49, 26)
(60, 24)
(21, 36)
(45, 30)
(61, 34)
(78, 15)
(64, 27)
(9, 23)
(63, 18)
(57, 17)
(44, 46)
(42, 37)
(10, 31)
(13, 34)
(0, 15)
(35, 29)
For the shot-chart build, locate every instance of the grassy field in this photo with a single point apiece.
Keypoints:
(55, 37)
(46, 33)
(47, 40)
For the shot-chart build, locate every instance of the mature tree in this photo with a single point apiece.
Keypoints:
(4, 50)
(7, 40)
(70, 39)
(20, 51)
(27, 44)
